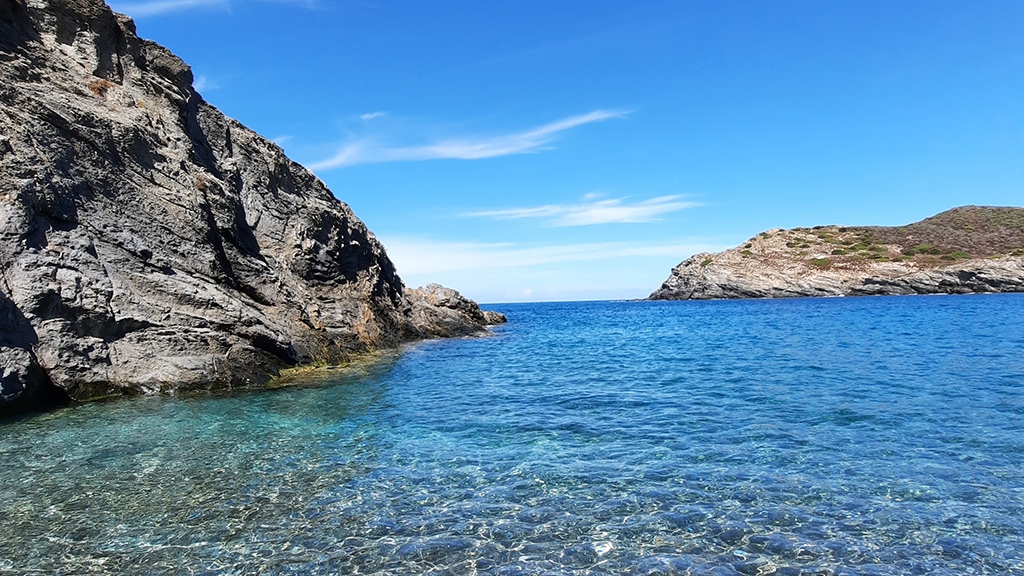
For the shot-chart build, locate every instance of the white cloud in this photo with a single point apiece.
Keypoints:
(593, 210)
(415, 255)
(157, 7)
(368, 151)
(509, 272)
(145, 8)
(372, 115)
(202, 83)
(280, 140)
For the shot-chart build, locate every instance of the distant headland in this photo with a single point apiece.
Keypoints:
(969, 249)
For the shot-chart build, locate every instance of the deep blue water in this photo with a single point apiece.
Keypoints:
(811, 436)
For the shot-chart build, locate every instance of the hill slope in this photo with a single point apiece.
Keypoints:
(963, 250)
(149, 244)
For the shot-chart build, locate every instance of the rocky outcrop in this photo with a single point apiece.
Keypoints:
(964, 250)
(442, 311)
(150, 244)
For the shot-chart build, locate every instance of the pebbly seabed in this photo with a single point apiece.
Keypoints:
(798, 436)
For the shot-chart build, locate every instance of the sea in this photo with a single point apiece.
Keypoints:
(876, 435)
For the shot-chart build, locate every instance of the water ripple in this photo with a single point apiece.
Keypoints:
(839, 436)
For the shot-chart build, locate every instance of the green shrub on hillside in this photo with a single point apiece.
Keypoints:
(924, 248)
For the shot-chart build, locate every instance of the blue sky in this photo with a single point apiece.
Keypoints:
(538, 150)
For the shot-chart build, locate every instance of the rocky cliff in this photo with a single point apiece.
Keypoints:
(150, 244)
(964, 250)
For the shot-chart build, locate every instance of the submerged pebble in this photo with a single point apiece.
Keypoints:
(586, 438)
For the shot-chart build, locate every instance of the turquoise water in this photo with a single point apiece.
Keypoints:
(830, 436)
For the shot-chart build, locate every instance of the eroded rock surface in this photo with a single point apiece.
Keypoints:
(443, 311)
(149, 244)
(964, 250)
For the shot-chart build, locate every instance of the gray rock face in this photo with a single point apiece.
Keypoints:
(722, 279)
(838, 261)
(443, 311)
(150, 244)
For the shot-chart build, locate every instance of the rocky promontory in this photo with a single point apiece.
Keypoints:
(149, 244)
(963, 250)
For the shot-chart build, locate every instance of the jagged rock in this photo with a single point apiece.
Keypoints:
(964, 250)
(150, 244)
(491, 317)
(440, 311)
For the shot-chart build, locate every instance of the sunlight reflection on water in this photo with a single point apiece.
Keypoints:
(840, 436)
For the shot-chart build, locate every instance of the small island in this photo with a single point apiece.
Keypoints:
(970, 249)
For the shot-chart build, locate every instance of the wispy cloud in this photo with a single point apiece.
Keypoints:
(514, 272)
(157, 7)
(202, 83)
(372, 115)
(414, 255)
(280, 140)
(368, 151)
(145, 8)
(592, 210)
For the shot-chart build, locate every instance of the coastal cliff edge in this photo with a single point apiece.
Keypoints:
(970, 249)
(150, 244)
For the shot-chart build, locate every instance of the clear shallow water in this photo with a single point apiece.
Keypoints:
(837, 436)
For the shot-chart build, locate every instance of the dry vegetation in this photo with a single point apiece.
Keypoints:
(100, 86)
(958, 234)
